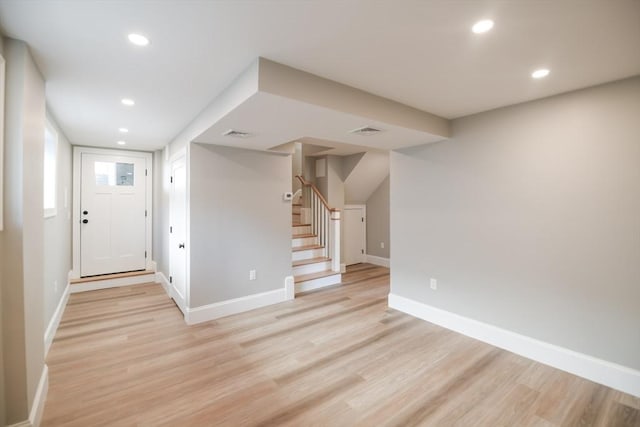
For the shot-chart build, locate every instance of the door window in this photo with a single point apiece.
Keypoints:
(114, 173)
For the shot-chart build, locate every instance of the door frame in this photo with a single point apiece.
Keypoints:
(344, 226)
(181, 153)
(77, 178)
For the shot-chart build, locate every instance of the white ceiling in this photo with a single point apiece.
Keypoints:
(273, 120)
(420, 53)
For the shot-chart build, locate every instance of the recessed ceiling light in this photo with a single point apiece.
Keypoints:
(123, 130)
(128, 102)
(482, 26)
(122, 143)
(538, 74)
(138, 39)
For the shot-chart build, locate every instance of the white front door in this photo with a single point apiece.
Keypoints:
(354, 230)
(178, 230)
(113, 216)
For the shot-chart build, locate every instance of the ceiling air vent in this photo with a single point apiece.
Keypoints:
(366, 131)
(237, 134)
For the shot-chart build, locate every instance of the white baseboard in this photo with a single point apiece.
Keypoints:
(112, 283)
(321, 282)
(162, 279)
(35, 415)
(597, 370)
(171, 291)
(50, 333)
(378, 260)
(234, 306)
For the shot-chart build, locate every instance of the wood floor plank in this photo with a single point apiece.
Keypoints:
(333, 357)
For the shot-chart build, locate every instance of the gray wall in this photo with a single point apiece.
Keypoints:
(239, 222)
(529, 217)
(335, 185)
(23, 235)
(2, 393)
(161, 189)
(364, 177)
(378, 221)
(296, 166)
(57, 231)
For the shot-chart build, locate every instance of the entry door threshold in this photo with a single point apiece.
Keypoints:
(106, 281)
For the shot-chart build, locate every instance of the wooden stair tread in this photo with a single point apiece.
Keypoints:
(305, 247)
(297, 224)
(110, 276)
(311, 261)
(297, 236)
(311, 276)
(296, 204)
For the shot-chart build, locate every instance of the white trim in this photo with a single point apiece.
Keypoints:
(320, 282)
(343, 268)
(378, 260)
(289, 288)
(600, 371)
(35, 415)
(171, 291)
(77, 178)
(112, 283)
(50, 333)
(162, 279)
(234, 306)
(181, 300)
(363, 256)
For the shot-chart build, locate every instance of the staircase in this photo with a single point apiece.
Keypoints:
(313, 268)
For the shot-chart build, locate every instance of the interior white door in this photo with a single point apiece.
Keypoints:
(178, 228)
(354, 229)
(113, 216)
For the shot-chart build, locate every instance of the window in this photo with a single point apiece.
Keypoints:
(50, 170)
(109, 173)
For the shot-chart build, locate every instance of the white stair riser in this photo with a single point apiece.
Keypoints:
(299, 270)
(305, 229)
(296, 242)
(307, 254)
(321, 282)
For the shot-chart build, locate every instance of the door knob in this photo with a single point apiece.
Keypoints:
(180, 245)
(85, 212)
(85, 221)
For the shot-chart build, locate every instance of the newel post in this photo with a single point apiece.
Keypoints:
(334, 230)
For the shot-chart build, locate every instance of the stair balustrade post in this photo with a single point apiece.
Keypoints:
(334, 240)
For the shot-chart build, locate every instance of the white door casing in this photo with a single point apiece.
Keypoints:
(114, 189)
(355, 231)
(178, 230)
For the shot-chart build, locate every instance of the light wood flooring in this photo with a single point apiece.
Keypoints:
(335, 357)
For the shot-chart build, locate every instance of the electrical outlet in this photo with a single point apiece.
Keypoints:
(252, 275)
(434, 284)
(381, 245)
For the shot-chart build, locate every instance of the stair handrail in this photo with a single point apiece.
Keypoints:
(325, 222)
(306, 183)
